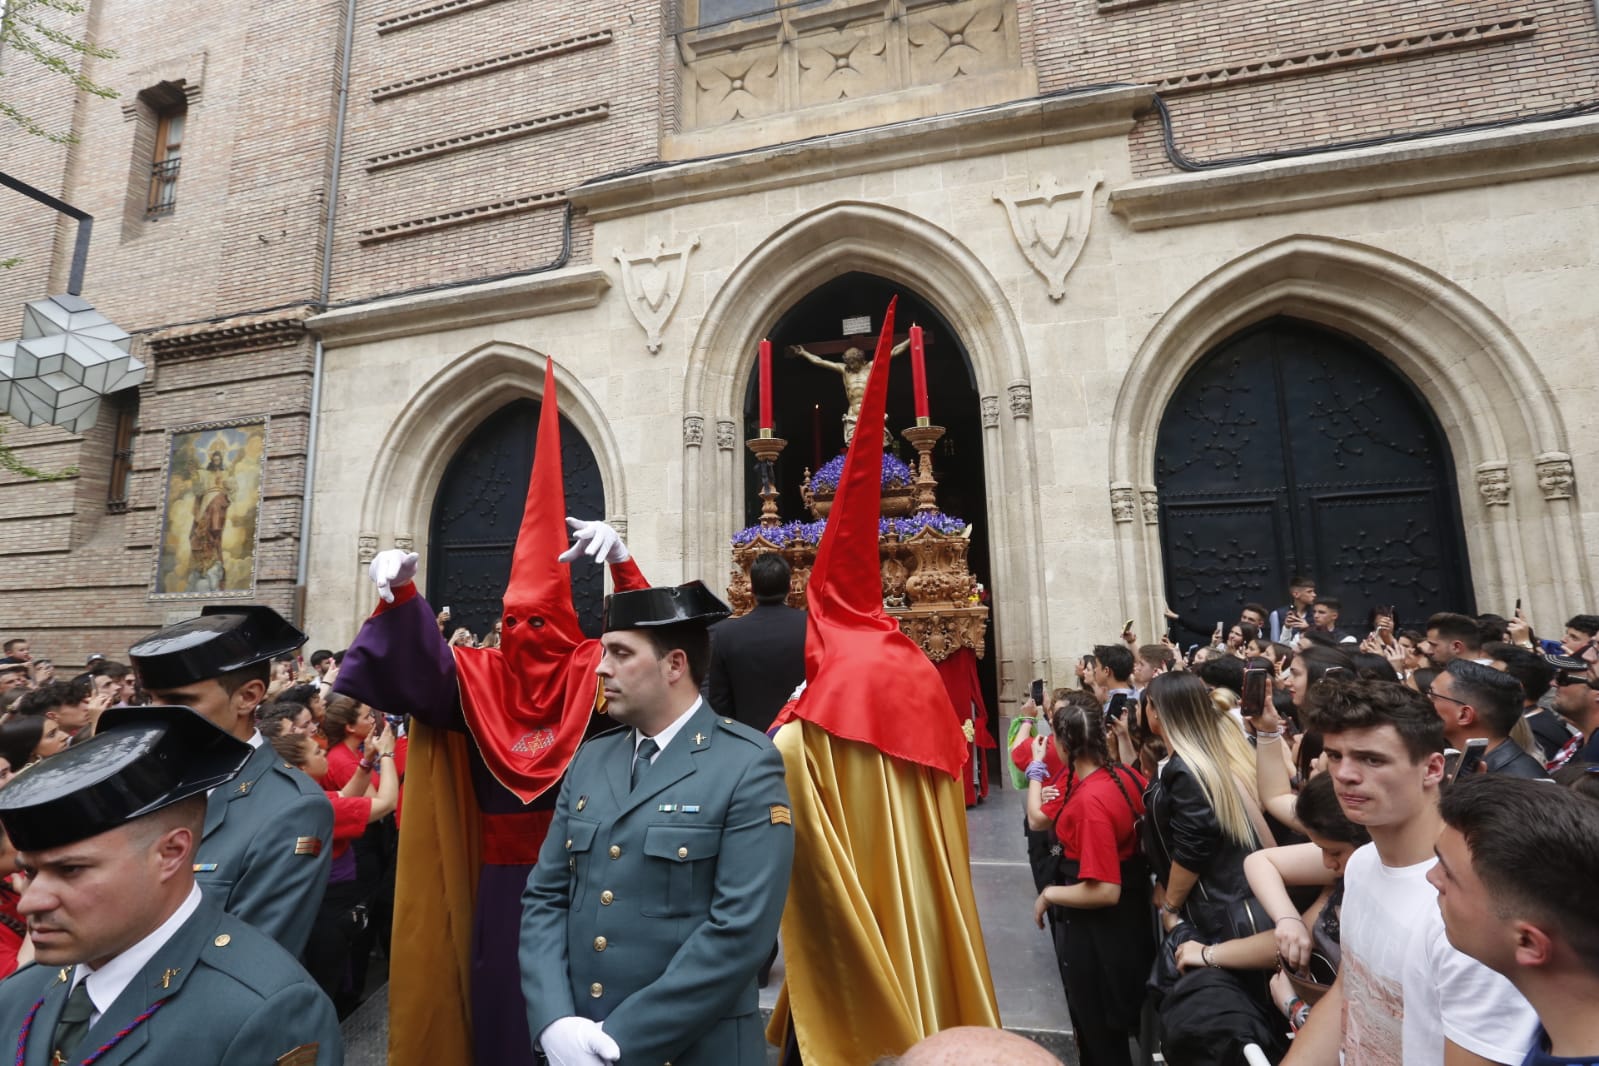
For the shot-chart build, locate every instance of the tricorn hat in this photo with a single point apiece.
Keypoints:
(222, 639)
(648, 608)
(141, 760)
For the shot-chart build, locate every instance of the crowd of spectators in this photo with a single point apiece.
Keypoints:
(1334, 844)
(337, 741)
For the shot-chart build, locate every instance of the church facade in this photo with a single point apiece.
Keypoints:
(1220, 292)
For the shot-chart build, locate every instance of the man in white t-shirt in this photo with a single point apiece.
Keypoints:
(1403, 994)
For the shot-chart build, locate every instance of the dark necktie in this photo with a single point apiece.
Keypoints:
(641, 759)
(74, 1021)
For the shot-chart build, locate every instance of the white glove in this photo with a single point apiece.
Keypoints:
(390, 568)
(595, 539)
(575, 1041)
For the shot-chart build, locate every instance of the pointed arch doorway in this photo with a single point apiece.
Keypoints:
(477, 512)
(1293, 448)
(809, 403)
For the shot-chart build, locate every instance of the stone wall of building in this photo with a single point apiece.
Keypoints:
(586, 181)
(1466, 289)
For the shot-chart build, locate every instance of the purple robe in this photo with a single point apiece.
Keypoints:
(399, 663)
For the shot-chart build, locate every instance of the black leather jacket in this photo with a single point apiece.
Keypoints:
(1182, 827)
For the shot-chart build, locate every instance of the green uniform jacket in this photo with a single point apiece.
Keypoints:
(267, 847)
(653, 910)
(233, 997)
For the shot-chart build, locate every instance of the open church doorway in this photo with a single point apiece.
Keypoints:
(477, 512)
(1291, 448)
(809, 404)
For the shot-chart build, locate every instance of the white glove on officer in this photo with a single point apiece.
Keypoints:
(390, 568)
(597, 540)
(575, 1041)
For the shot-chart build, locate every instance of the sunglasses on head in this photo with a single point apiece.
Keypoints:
(1566, 677)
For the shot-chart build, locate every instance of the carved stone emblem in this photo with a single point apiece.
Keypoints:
(726, 434)
(1151, 501)
(1051, 226)
(990, 411)
(1556, 478)
(1021, 400)
(366, 547)
(653, 282)
(693, 430)
(1123, 504)
(1493, 483)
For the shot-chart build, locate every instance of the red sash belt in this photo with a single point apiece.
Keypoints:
(514, 839)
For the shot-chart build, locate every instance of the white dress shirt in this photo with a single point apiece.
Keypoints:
(109, 981)
(664, 737)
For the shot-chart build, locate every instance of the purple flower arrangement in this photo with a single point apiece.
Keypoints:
(896, 475)
(793, 534)
(937, 521)
(785, 535)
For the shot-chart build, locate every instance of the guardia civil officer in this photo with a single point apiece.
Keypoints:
(658, 891)
(133, 964)
(266, 848)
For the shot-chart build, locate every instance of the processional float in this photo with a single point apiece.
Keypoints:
(928, 586)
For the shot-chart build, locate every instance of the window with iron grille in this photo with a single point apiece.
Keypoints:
(126, 406)
(168, 159)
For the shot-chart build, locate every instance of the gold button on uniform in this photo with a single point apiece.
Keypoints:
(599, 943)
(568, 843)
(616, 852)
(223, 941)
(596, 990)
(606, 897)
(682, 853)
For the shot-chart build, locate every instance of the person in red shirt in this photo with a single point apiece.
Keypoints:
(1101, 895)
(347, 725)
(1045, 787)
(366, 797)
(15, 948)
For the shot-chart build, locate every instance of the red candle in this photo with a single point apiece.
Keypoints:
(919, 372)
(766, 384)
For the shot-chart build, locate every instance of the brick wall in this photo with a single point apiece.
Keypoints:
(469, 121)
(245, 235)
(1251, 76)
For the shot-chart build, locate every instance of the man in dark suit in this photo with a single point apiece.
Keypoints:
(758, 660)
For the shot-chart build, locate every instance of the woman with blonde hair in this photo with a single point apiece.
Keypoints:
(1204, 813)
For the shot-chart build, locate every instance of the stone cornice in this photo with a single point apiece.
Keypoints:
(230, 336)
(570, 289)
(985, 131)
(1408, 168)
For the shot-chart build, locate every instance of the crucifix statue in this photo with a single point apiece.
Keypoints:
(854, 369)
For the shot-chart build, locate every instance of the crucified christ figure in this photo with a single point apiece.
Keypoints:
(855, 369)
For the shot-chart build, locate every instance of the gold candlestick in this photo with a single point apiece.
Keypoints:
(923, 438)
(767, 448)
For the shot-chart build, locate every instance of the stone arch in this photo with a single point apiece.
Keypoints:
(1490, 399)
(441, 414)
(893, 244)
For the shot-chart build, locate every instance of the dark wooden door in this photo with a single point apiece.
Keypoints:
(1291, 448)
(478, 511)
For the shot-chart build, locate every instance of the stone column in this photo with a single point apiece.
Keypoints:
(693, 494)
(1493, 492)
(1027, 576)
(728, 514)
(1557, 482)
